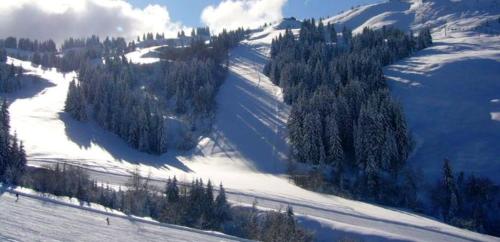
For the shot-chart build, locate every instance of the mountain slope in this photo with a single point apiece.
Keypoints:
(455, 15)
(449, 93)
(449, 90)
(246, 151)
(37, 218)
(246, 120)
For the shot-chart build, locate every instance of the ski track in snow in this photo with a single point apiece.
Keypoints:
(246, 150)
(36, 217)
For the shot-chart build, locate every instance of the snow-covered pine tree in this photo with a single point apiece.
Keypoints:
(221, 208)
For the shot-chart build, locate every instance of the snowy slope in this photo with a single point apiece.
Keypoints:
(448, 91)
(246, 150)
(37, 218)
(455, 15)
(137, 56)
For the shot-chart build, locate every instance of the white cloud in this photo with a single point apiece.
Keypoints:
(60, 19)
(231, 14)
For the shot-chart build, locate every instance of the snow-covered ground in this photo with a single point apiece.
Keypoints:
(245, 152)
(35, 217)
(137, 56)
(448, 92)
(453, 15)
(247, 148)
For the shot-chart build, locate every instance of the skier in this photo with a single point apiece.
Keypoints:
(107, 220)
(17, 197)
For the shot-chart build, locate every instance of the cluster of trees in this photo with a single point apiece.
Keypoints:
(12, 154)
(9, 42)
(343, 115)
(75, 103)
(132, 100)
(201, 31)
(193, 74)
(151, 36)
(192, 85)
(269, 226)
(39, 52)
(312, 32)
(76, 51)
(3, 55)
(195, 205)
(70, 61)
(36, 46)
(28, 44)
(10, 76)
(344, 118)
(470, 202)
(108, 47)
(118, 104)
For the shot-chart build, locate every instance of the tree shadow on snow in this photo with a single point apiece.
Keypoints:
(450, 110)
(31, 86)
(249, 121)
(85, 134)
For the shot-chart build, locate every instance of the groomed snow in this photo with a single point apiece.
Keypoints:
(246, 151)
(36, 217)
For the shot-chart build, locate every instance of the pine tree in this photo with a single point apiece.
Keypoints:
(172, 191)
(75, 103)
(208, 208)
(3, 55)
(313, 148)
(333, 33)
(221, 208)
(451, 203)
(346, 35)
(335, 151)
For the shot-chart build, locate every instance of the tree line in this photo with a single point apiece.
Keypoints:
(27, 44)
(196, 205)
(75, 51)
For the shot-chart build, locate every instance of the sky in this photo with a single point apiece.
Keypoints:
(60, 19)
(188, 11)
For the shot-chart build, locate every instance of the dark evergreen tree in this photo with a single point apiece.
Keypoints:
(12, 155)
(3, 55)
(221, 208)
(172, 191)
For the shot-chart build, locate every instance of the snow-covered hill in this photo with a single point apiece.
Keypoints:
(245, 152)
(450, 90)
(455, 15)
(450, 94)
(37, 218)
(247, 149)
